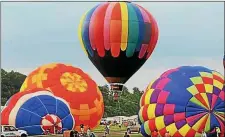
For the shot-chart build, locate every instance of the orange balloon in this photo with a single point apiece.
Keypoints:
(73, 85)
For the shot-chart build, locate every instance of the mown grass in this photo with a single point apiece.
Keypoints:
(115, 131)
(131, 135)
(101, 128)
(112, 135)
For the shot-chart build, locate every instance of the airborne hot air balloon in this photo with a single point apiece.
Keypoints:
(37, 111)
(74, 86)
(118, 37)
(184, 101)
(224, 61)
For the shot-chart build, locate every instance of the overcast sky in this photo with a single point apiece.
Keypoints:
(34, 34)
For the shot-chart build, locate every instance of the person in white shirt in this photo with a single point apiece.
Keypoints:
(218, 131)
(203, 134)
(89, 132)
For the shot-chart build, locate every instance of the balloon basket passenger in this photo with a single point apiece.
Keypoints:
(117, 89)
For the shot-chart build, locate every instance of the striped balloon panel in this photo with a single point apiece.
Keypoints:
(51, 122)
(184, 101)
(118, 27)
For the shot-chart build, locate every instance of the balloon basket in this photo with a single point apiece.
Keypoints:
(118, 87)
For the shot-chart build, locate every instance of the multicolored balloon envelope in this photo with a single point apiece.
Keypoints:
(184, 101)
(74, 86)
(36, 111)
(224, 62)
(118, 38)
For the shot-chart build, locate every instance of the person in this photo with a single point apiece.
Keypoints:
(203, 134)
(92, 134)
(217, 131)
(6, 129)
(107, 129)
(120, 125)
(57, 129)
(104, 135)
(75, 134)
(212, 132)
(72, 133)
(126, 135)
(167, 134)
(47, 131)
(155, 134)
(88, 132)
(116, 96)
(82, 128)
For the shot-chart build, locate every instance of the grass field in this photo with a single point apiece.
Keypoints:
(121, 135)
(115, 131)
(98, 135)
(101, 128)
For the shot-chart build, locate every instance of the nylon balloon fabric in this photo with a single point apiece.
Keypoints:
(224, 62)
(74, 86)
(184, 101)
(118, 38)
(36, 111)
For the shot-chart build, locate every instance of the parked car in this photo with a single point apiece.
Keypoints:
(12, 131)
(134, 128)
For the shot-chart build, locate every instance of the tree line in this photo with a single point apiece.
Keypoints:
(127, 104)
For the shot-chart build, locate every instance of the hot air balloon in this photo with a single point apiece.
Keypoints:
(118, 38)
(74, 86)
(37, 111)
(184, 101)
(224, 61)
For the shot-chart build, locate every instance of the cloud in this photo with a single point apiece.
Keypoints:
(148, 72)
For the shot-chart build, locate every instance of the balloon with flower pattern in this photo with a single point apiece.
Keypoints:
(73, 85)
(184, 101)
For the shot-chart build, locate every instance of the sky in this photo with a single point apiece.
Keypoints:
(34, 34)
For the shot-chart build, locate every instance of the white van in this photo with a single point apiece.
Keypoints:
(12, 131)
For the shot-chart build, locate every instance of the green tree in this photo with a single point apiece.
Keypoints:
(127, 105)
(11, 83)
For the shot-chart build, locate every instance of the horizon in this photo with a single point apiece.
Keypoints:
(189, 34)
